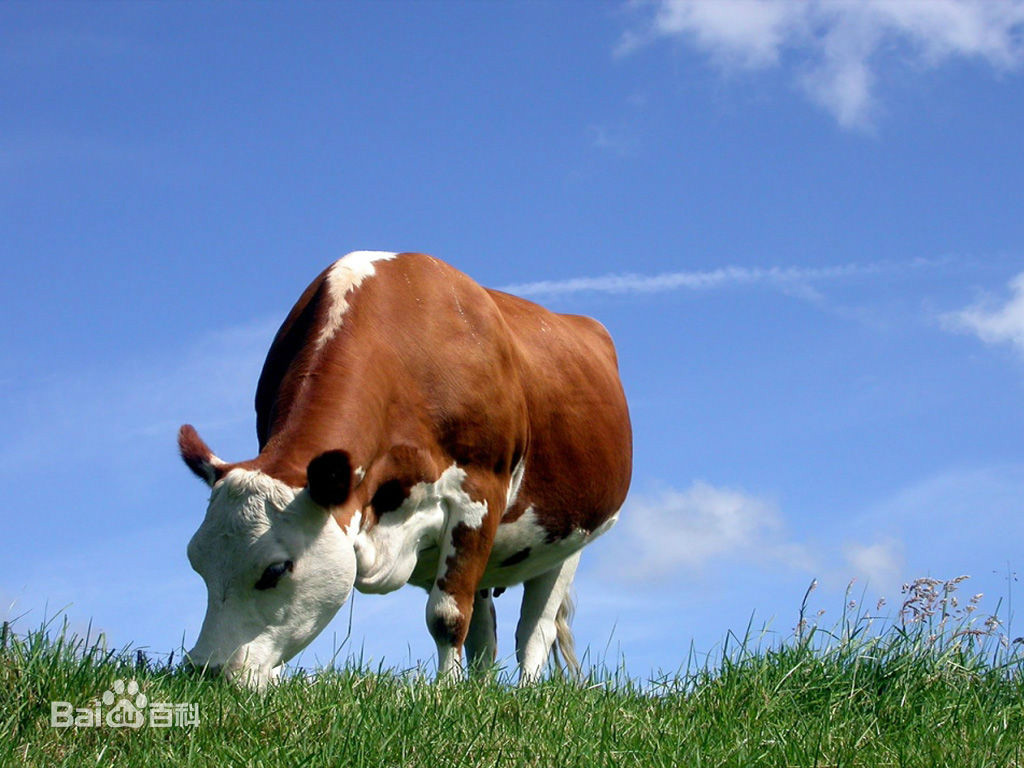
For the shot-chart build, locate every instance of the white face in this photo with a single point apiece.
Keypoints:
(277, 568)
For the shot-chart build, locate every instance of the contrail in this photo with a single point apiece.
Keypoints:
(704, 280)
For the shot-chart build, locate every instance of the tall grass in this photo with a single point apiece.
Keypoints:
(935, 685)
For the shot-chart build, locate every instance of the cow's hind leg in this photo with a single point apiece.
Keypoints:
(482, 638)
(538, 627)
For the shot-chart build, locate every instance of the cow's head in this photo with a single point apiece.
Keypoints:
(277, 566)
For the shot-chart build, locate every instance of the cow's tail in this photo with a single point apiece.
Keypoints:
(564, 648)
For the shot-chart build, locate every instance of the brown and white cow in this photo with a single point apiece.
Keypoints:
(414, 428)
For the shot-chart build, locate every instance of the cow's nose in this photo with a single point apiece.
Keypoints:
(207, 669)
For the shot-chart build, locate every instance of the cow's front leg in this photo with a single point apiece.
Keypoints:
(472, 519)
(448, 621)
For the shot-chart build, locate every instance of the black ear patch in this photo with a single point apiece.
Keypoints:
(389, 497)
(329, 477)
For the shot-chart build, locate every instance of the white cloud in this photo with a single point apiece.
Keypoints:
(957, 521)
(992, 323)
(880, 563)
(614, 139)
(834, 46)
(689, 529)
(741, 33)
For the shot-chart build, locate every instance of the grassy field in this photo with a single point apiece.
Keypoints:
(939, 686)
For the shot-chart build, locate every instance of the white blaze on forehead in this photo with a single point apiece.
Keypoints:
(344, 276)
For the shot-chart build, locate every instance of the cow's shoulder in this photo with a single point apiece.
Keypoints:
(309, 326)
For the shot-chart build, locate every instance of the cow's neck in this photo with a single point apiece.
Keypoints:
(321, 422)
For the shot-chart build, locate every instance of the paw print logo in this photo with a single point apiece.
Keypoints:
(127, 713)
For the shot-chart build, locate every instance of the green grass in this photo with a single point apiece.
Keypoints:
(927, 689)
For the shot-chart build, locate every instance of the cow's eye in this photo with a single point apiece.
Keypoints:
(273, 573)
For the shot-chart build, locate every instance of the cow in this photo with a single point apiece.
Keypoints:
(413, 428)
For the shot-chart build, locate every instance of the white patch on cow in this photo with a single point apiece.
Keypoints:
(254, 521)
(345, 276)
(387, 553)
(461, 507)
(209, 468)
(352, 529)
(359, 473)
(518, 471)
(604, 527)
(537, 626)
(527, 533)
(522, 532)
(441, 606)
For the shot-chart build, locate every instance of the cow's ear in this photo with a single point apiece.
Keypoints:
(198, 456)
(329, 478)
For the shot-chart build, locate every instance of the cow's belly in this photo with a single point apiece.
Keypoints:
(521, 551)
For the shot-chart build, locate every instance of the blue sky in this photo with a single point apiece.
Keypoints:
(800, 222)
